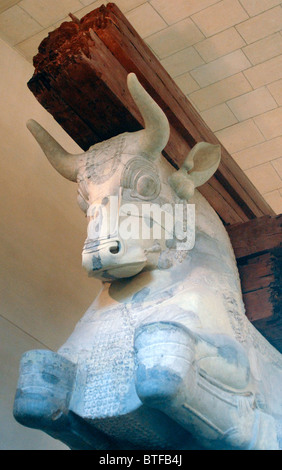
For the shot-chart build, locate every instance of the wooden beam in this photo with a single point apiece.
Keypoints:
(256, 237)
(261, 279)
(258, 248)
(84, 65)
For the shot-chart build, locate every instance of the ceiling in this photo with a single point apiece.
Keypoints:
(226, 56)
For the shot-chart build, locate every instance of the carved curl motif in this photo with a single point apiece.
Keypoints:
(140, 176)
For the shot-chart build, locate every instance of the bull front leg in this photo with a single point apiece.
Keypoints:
(42, 401)
(204, 384)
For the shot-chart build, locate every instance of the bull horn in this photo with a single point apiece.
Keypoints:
(65, 163)
(156, 133)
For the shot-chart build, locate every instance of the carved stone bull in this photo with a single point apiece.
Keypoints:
(165, 357)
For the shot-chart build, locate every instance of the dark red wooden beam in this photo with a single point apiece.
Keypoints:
(258, 248)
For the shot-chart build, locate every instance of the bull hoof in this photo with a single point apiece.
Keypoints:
(43, 391)
(164, 355)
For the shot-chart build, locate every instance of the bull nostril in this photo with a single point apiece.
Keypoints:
(115, 249)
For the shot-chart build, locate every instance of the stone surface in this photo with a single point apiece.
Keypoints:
(165, 352)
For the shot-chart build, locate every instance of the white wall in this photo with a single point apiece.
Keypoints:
(44, 290)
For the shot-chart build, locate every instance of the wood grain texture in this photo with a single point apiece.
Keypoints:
(261, 279)
(258, 248)
(256, 236)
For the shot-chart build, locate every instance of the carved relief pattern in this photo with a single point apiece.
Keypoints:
(103, 159)
(110, 365)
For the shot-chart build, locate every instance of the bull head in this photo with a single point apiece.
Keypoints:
(130, 168)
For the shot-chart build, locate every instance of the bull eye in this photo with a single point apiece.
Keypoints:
(147, 186)
(139, 175)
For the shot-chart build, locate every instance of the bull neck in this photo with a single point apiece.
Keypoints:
(148, 283)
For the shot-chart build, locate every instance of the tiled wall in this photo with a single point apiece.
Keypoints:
(225, 55)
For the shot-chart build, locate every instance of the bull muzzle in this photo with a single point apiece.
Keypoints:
(110, 259)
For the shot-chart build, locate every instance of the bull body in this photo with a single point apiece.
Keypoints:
(165, 357)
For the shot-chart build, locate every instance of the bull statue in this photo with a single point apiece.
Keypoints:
(165, 357)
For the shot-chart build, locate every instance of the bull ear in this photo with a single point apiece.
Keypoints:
(201, 163)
